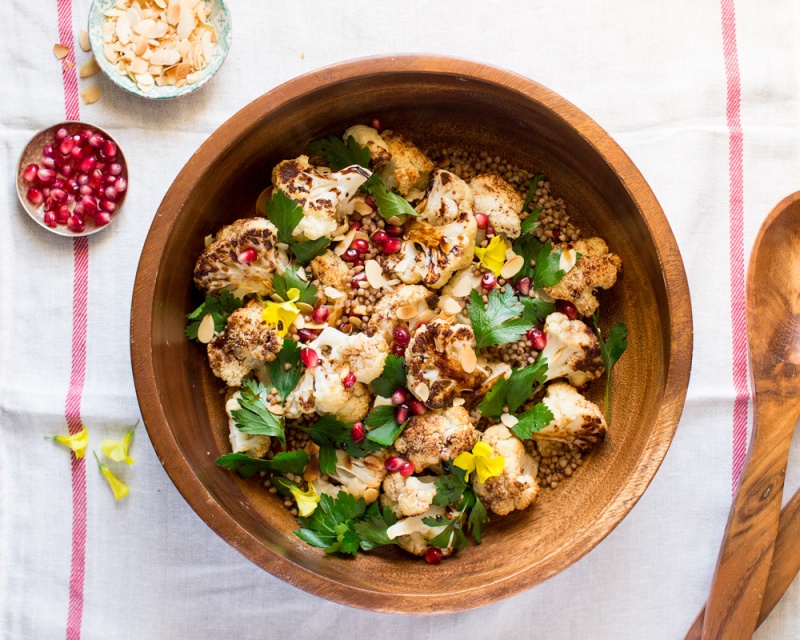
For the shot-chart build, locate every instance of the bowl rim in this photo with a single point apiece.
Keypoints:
(679, 356)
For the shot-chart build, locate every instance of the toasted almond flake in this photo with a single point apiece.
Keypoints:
(60, 50)
(166, 57)
(123, 29)
(422, 391)
(89, 68)
(275, 409)
(463, 286)
(451, 306)
(301, 273)
(142, 27)
(316, 325)
(395, 220)
(568, 259)
(356, 322)
(374, 274)
(347, 328)
(407, 312)
(333, 293)
(110, 54)
(186, 24)
(334, 316)
(360, 310)
(512, 267)
(83, 40)
(145, 81)
(205, 332)
(509, 420)
(359, 206)
(299, 322)
(370, 495)
(208, 239)
(304, 307)
(90, 95)
(70, 64)
(469, 360)
(458, 402)
(344, 245)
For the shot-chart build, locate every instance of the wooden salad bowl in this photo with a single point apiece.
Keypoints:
(432, 100)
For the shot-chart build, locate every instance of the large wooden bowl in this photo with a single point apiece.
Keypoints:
(431, 99)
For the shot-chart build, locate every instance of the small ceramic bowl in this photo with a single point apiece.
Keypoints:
(219, 17)
(33, 154)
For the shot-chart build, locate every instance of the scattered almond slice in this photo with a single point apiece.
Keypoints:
(362, 207)
(360, 310)
(344, 245)
(422, 391)
(375, 274)
(61, 51)
(370, 495)
(463, 286)
(205, 332)
(70, 64)
(304, 308)
(332, 293)
(406, 313)
(89, 68)
(90, 95)
(459, 402)
(469, 361)
(512, 267)
(451, 306)
(83, 40)
(275, 409)
(509, 420)
(568, 259)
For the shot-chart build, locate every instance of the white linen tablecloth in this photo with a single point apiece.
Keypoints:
(704, 97)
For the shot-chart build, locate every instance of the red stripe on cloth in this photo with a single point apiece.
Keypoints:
(736, 233)
(80, 296)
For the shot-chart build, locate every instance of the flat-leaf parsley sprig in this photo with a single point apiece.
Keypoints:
(499, 322)
(220, 307)
(611, 350)
(286, 214)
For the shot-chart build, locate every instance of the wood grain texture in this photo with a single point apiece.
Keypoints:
(773, 326)
(431, 99)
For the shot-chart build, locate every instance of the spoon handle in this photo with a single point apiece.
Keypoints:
(745, 557)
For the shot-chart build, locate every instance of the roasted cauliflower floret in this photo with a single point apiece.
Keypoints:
(368, 137)
(516, 487)
(384, 318)
(358, 406)
(331, 271)
(576, 420)
(572, 350)
(357, 476)
(408, 169)
(435, 437)
(408, 496)
(241, 442)
(413, 534)
(218, 267)
(325, 197)
(447, 199)
(597, 268)
(499, 201)
(245, 343)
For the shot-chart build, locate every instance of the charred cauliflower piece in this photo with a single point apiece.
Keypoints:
(325, 197)
(245, 343)
(597, 268)
(218, 267)
(384, 318)
(499, 201)
(408, 169)
(241, 442)
(331, 271)
(515, 488)
(413, 534)
(442, 241)
(576, 420)
(572, 350)
(370, 138)
(435, 437)
(360, 477)
(408, 496)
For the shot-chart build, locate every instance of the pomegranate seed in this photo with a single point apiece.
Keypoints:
(482, 220)
(58, 195)
(398, 350)
(61, 134)
(110, 149)
(86, 134)
(110, 180)
(393, 463)
(96, 178)
(349, 380)
(49, 203)
(401, 414)
(85, 190)
(46, 176)
(66, 146)
(320, 314)
(58, 183)
(89, 203)
(77, 153)
(358, 432)
(88, 164)
(392, 245)
(49, 163)
(111, 193)
(62, 214)
(67, 171)
(115, 168)
(29, 173)
(48, 151)
(307, 335)
(50, 218)
(82, 179)
(359, 277)
(355, 226)
(433, 555)
(358, 262)
(556, 235)
(417, 408)
(371, 202)
(96, 140)
(582, 388)
(77, 138)
(380, 238)
(76, 224)
(35, 196)
(488, 281)
(101, 218)
(309, 357)
(69, 199)
(524, 285)
(376, 124)
(490, 232)
(350, 255)
(567, 308)
(407, 470)
(399, 397)
(394, 230)
(121, 184)
(46, 192)
(107, 205)
(78, 210)
(538, 338)
(360, 245)
(246, 256)
(402, 336)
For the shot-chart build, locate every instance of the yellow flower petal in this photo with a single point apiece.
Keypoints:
(77, 442)
(482, 449)
(489, 467)
(281, 315)
(482, 461)
(306, 501)
(493, 256)
(118, 488)
(465, 461)
(117, 450)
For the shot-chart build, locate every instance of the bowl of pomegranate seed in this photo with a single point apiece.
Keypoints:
(72, 179)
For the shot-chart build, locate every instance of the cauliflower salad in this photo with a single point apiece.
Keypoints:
(406, 339)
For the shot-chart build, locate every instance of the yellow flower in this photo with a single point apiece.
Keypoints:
(77, 442)
(482, 461)
(118, 487)
(117, 450)
(493, 256)
(306, 502)
(281, 315)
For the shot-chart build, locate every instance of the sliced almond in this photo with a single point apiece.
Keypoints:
(422, 391)
(395, 220)
(374, 274)
(451, 306)
(83, 40)
(463, 286)
(568, 259)
(370, 495)
(275, 409)
(123, 29)
(139, 66)
(333, 293)
(194, 77)
(299, 322)
(458, 402)
(89, 68)
(90, 95)
(360, 310)
(469, 361)
(407, 312)
(60, 50)
(301, 273)
(356, 322)
(512, 267)
(304, 308)
(208, 239)
(359, 206)
(344, 245)
(205, 332)
(509, 420)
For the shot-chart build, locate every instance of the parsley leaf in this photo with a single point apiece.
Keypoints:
(339, 154)
(372, 529)
(531, 222)
(514, 391)
(532, 421)
(392, 378)
(292, 280)
(536, 309)
(285, 214)
(611, 350)
(247, 466)
(306, 251)
(219, 308)
(328, 431)
(388, 202)
(452, 490)
(327, 460)
(478, 517)
(331, 526)
(283, 485)
(451, 535)
(449, 490)
(533, 185)
(547, 272)
(283, 379)
(253, 416)
(385, 428)
(499, 322)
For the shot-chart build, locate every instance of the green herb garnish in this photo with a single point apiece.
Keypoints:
(247, 466)
(500, 321)
(285, 371)
(328, 431)
(389, 203)
(536, 309)
(339, 154)
(392, 378)
(286, 214)
(253, 416)
(532, 221)
(385, 429)
(454, 491)
(512, 392)
(611, 350)
(291, 280)
(219, 307)
(532, 421)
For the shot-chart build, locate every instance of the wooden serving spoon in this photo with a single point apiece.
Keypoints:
(773, 327)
